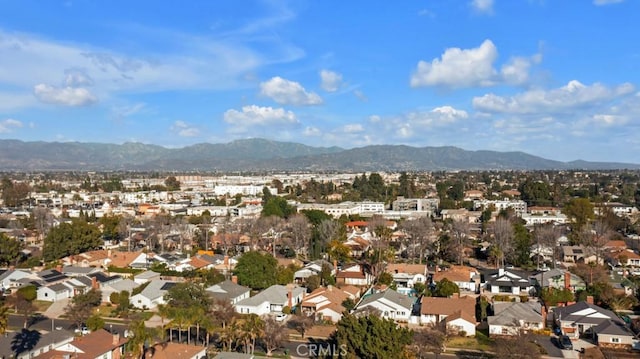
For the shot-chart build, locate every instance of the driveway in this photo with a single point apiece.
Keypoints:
(549, 343)
(56, 309)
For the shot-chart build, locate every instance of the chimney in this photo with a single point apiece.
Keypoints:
(567, 280)
(290, 296)
(226, 260)
(335, 265)
(455, 295)
(116, 339)
(108, 253)
(12, 267)
(589, 299)
(543, 311)
(500, 272)
(59, 268)
(94, 283)
(234, 279)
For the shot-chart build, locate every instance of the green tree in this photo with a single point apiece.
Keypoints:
(535, 193)
(445, 288)
(110, 227)
(256, 270)
(14, 193)
(277, 206)
(9, 250)
(81, 306)
(140, 337)
(580, 211)
(172, 183)
(95, 322)
(28, 292)
(552, 296)
(385, 278)
(370, 337)
(71, 238)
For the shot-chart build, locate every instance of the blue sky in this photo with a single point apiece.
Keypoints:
(558, 79)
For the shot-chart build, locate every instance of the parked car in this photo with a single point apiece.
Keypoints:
(565, 342)
(281, 317)
(82, 330)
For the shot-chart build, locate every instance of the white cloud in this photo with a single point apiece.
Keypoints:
(311, 131)
(482, 6)
(287, 92)
(459, 68)
(183, 129)
(353, 128)
(252, 116)
(66, 96)
(606, 2)
(573, 96)
(330, 80)
(360, 95)
(437, 117)
(77, 78)
(7, 126)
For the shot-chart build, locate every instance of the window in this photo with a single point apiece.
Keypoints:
(615, 340)
(505, 331)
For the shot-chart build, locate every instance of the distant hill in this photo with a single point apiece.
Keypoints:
(266, 155)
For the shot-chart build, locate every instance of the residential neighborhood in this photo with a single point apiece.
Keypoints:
(254, 268)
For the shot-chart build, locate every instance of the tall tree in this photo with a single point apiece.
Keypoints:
(502, 240)
(9, 250)
(4, 319)
(81, 306)
(256, 270)
(370, 337)
(427, 340)
(71, 238)
(141, 337)
(580, 212)
(274, 335)
(419, 231)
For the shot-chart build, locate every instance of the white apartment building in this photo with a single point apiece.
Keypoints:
(519, 206)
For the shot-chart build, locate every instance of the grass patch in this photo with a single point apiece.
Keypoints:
(41, 305)
(479, 342)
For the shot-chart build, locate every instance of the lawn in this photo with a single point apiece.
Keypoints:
(41, 305)
(480, 342)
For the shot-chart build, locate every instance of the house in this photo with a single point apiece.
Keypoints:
(604, 325)
(10, 279)
(41, 343)
(559, 279)
(272, 300)
(125, 285)
(120, 259)
(624, 258)
(152, 295)
(99, 344)
(54, 292)
(170, 350)
(75, 271)
(578, 254)
(355, 274)
(510, 318)
(325, 303)
(312, 268)
(405, 276)
(503, 281)
(456, 311)
(467, 278)
(94, 258)
(146, 276)
(389, 303)
(229, 291)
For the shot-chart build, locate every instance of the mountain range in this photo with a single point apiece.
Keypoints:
(265, 155)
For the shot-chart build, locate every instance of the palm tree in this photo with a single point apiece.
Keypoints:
(251, 329)
(4, 319)
(141, 337)
(209, 325)
(229, 334)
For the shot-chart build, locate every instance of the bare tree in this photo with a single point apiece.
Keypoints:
(419, 231)
(546, 235)
(43, 220)
(428, 340)
(274, 335)
(460, 230)
(300, 230)
(503, 235)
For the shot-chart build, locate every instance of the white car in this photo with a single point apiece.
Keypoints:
(281, 317)
(82, 330)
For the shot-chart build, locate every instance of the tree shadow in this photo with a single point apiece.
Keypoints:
(24, 340)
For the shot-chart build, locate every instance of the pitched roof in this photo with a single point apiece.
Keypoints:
(170, 350)
(277, 294)
(447, 306)
(226, 290)
(583, 312)
(390, 295)
(509, 313)
(455, 274)
(96, 344)
(38, 341)
(610, 327)
(406, 268)
(122, 259)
